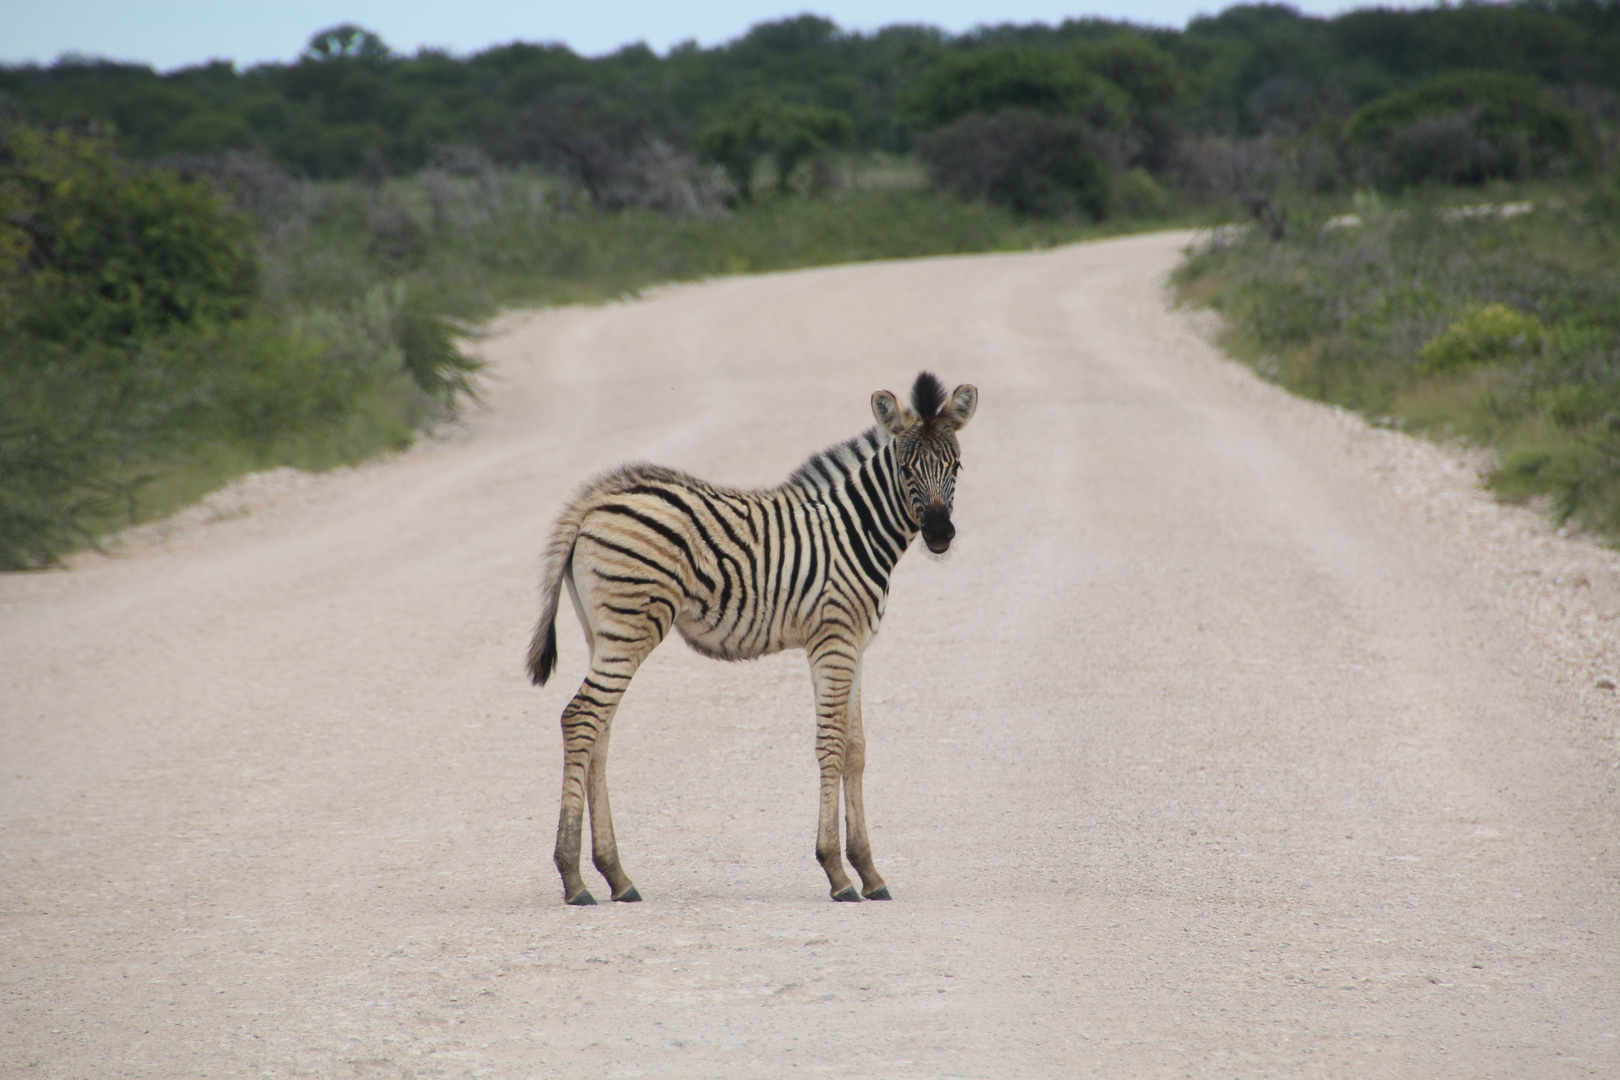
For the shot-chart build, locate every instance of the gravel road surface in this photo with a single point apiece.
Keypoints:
(1233, 738)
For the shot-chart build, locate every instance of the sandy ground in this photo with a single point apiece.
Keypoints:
(1234, 738)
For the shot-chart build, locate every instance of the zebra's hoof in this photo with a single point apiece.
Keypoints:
(583, 898)
(847, 895)
(629, 896)
(879, 893)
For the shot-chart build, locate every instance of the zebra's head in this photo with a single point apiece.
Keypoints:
(926, 453)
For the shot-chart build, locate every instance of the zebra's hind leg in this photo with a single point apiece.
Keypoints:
(583, 725)
(856, 844)
(832, 669)
(622, 631)
(587, 723)
(604, 848)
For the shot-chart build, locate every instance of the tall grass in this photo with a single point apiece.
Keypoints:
(1503, 331)
(510, 237)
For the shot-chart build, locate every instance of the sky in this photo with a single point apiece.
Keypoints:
(178, 33)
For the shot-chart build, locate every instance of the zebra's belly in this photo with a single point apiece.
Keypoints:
(737, 642)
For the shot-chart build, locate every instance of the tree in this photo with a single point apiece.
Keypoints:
(348, 42)
(1467, 127)
(734, 144)
(1148, 75)
(789, 135)
(794, 134)
(988, 81)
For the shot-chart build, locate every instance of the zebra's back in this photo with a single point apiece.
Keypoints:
(740, 574)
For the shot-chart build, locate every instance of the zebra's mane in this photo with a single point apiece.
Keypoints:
(828, 469)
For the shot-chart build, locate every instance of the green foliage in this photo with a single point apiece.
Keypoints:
(93, 252)
(1505, 331)
(1486, 334)
(133, 335)
(735, 145)
(1138, 195)
(1013, 79)
(1148, 75)
(64, 429)
(1603, 201)
(84, 427)
(428, 350)
(789, 134)
(506, 241)
(794, 134)
(1252, 69)
(1467, 128)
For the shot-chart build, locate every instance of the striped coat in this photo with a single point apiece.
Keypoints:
(645, 550)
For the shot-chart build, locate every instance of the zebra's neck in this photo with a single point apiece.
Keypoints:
(828, 470)
(858, 479)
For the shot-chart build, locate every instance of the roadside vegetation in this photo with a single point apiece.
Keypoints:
(1503, 331)
(213, 270)
(163, 330)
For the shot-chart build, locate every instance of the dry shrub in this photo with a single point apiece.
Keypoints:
(618, 159)
(656, 176)
(396, 238)
(1046, 166)
(459, 160)
(253, 184)
(1449, 149)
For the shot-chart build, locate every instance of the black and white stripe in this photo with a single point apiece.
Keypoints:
(739, 574)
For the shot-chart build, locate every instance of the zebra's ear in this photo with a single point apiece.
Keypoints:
(959, 410)
(892, 416)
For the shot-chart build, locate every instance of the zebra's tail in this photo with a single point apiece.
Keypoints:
(559, 556)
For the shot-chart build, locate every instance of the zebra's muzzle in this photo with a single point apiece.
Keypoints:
(937, 530)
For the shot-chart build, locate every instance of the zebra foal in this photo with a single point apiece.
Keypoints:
(742, 574)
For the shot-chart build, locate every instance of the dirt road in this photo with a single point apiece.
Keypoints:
(1233, 738)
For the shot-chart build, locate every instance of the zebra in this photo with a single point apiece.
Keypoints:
(742, 574)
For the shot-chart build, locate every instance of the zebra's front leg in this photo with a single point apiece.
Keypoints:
(858, 847)
(833, 671)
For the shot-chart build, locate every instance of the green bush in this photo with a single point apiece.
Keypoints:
(94, 250)
(1485, 334)
(428, 350)
(1147, 74)
(1138, 195)
(1466, 128)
